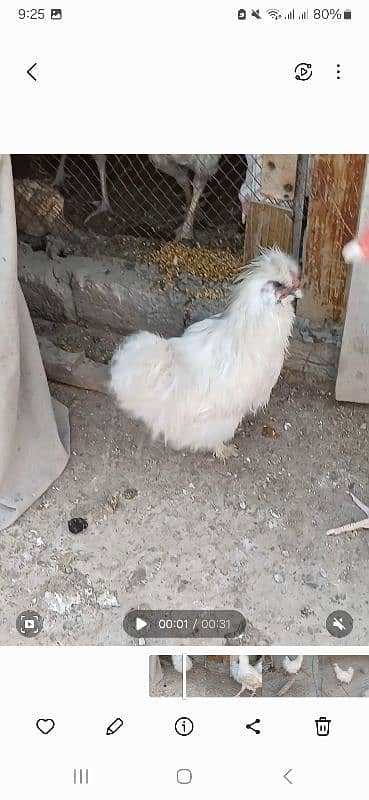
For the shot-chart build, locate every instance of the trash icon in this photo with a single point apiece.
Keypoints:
(322, 726)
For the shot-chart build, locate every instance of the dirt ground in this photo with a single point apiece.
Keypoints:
(168, 529)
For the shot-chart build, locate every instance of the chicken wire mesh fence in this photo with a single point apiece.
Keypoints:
(157, 196)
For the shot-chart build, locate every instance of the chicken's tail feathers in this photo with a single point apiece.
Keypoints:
(139, 364)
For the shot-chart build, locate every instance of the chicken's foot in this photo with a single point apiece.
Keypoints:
(225, 451)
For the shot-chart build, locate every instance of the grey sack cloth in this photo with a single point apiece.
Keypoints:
(34, 429)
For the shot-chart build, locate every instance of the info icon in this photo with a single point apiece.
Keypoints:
(339, 624)
(29, 623)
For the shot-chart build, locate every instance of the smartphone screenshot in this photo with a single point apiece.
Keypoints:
(184, 393)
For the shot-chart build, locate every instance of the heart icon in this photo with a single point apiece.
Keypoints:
(45, 725)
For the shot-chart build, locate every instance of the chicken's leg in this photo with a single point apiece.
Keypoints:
(104, 204)
(186, 232)
(175, 171)
(60, 174)
(225, 451)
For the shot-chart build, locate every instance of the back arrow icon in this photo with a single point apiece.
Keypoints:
(286, 774)
(29, 71)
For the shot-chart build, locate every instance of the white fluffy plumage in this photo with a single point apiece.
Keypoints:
(177, 662)
(250, 677)
(292, 665)
(194, 390)
(343, 675)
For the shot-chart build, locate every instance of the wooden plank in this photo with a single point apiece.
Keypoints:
(353, 370)
(267, 225)
(278, 177)
(335, 191)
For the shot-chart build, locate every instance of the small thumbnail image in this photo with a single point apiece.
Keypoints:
(166, 676)
(316, 676)
(291, 676)
(344, 676)
(207, 676)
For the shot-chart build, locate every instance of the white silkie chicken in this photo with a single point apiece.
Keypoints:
(250, 677)
(292, 665)
(177, 662)
(194, 390)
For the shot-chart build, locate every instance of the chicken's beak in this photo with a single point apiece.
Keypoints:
(296, 291)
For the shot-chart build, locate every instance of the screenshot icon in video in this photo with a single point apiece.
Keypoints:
(29, 623)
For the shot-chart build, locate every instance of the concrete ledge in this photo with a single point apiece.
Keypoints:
(124, 296)
(46, 285)
(74, 369)
(120, 294)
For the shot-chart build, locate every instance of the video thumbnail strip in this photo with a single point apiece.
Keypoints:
(253, 675)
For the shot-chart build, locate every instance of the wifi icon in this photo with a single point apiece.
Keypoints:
(274, 13)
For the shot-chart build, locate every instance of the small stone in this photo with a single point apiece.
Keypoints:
(130, 494)
(287, 425)
(363, 427)
(285, 553)
(269, 432)
(323, 573)
(242, 505)
(114, 502)
(278, 578)
(77, 524)
(107, 600)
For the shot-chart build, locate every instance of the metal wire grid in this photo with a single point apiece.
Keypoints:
(148, 202)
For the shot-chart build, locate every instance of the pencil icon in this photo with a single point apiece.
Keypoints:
(114, 726)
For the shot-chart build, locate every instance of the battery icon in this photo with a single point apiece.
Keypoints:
(347, 14)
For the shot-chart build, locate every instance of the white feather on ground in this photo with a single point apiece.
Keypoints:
(250, 677)
(195, 389)
(292, 666)
(343, 675)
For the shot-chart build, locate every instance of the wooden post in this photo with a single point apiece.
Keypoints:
(353, 370)
(334, 200)
(268, 223)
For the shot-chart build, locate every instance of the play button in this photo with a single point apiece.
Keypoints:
(138, 622)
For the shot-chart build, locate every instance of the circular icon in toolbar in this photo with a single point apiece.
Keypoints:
(183, 726)
(339, 624)
(303, 71)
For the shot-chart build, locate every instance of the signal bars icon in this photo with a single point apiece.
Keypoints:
(293, 15)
